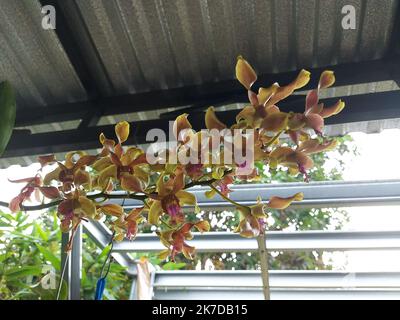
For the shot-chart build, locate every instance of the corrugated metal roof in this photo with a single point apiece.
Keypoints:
(33, 59)
(141, 45)
(153, 44)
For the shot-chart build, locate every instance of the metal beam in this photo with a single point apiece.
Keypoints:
(229, 91)
(276, 241)
(71, 46)
(359, 108)
(90, 119)
(76, 265)
(316, 194)
(101, 235)
(71, 264)
(325, 194)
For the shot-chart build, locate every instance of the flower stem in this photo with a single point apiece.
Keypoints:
(228, 199)
(263, 255)
(106, 196)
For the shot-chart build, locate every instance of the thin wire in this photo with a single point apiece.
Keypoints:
(109, 266)
(109, 252)
(108, 258)
(62, 274)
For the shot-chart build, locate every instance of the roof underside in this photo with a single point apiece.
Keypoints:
(104, 49)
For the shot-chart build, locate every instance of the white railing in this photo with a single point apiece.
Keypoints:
(284, 284)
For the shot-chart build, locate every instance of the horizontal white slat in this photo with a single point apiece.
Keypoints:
(278, 294)
(234, 279)
(316, 194)
(276, 240)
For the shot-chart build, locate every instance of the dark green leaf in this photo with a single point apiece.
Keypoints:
(7, 113)
(50, 257)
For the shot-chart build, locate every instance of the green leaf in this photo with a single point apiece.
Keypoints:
(7, 216)
(50, 257)
(103, 253)
(5, 224)
(51, 294)
(16, 234)
(174, 266)
(7, 113)
(44, 235)
(55, 221)
(18, 272)
(5, 256)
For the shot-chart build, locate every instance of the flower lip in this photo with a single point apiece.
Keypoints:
(124, 169)
(171, 206)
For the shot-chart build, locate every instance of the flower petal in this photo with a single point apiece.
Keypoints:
(164, 254)
(106, 175)
(107, 143)
(314, 146)
(245, 73)
(326, 79)
(179, 180)
(283, 92)
(247, 114)
(249, 227)
(211, 120)
(188, 251)
(122, 131)
(281, 152)
(275, 122)
(27, 180)
(131, 183)
(252, 98)
(87, 207)
(258, 210)
(66, 207)
(50, 192)
(15, 203)
(283, 203)
(135, 214)
(186, 197)
(112, 209)
(301, 159)
(130, 155)
(264, 94)
(202, 226)
(296, 121)
(155, 212)
(81, 178)
(47, 159)
(315, 121)
(311, 99)
(85, 160)
(181, 125)
(210, 194)
(101, 164)
(332, 110)
(119, 237)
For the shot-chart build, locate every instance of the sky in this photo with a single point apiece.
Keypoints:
(379, 159)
